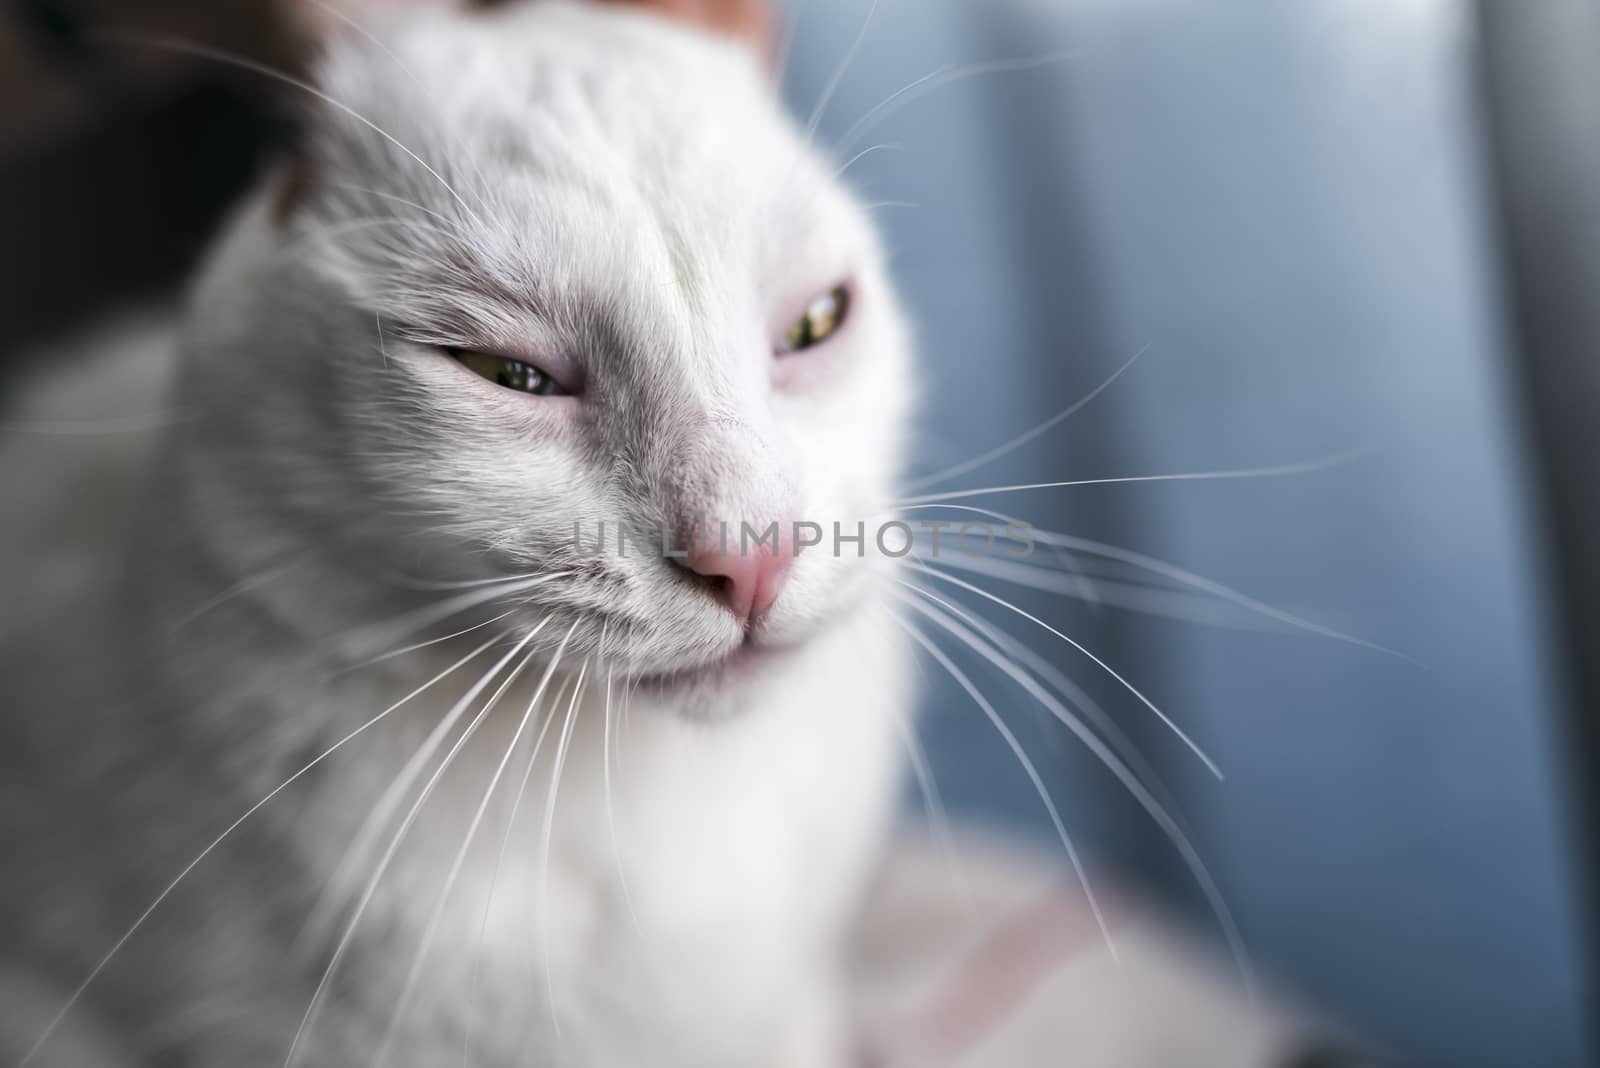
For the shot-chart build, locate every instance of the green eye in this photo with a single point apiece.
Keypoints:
(820, 322)
(508, 373)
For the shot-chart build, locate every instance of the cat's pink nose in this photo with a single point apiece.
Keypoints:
(748, 578)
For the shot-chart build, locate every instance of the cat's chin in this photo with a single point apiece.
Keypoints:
(746, 666)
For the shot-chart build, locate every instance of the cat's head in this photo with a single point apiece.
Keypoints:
(551, 269)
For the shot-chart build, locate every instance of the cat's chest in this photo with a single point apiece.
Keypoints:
(569, 856)
(647, 873)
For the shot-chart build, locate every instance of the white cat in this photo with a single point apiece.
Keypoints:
(543, 268)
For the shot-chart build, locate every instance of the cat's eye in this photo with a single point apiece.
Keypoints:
(822, 319)
(508, 373)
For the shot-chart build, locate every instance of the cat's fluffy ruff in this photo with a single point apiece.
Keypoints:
(607, 191)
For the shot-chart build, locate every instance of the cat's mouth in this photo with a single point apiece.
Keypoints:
(742, 666)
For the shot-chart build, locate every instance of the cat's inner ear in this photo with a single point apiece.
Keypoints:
(750, 21)
(290, 183)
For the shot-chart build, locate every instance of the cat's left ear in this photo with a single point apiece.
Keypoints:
(751, 21)
(289, 183)
(311, 25)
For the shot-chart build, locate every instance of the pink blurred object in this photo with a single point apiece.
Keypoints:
(986, 956)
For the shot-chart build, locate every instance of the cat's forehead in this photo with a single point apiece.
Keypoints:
(556, 154)
(561, 92)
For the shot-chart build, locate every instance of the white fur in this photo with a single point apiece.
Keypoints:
(619, 196)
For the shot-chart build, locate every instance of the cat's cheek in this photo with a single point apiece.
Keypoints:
(811, 372)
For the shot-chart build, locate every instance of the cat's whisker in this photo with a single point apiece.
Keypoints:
(1176, 574)
(938, 79)
(1218, 590)
(1076, 702)
(1241, 474)
(461, 530)
(832, 88)
(611, 811)
(986, 458)
(1166, 720)
(418, 647)
(886, 107)
(1164, 602)
(1078, 569)
(932, 801)
(348, 936)
(511, 822)
(791, 33)
(233, 59)
(101, 965)
(625, 717)
(372, 38)
(1140, 792)
(394, 630)
(1028, 767)
(427, 616)
(1084, 577)
(863, 154)
(544, 846)
(320, 914)
(1020, 532)
(430, 931)
(240, 588)
(407, 582)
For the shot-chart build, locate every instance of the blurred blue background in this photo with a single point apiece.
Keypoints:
(1284, 207)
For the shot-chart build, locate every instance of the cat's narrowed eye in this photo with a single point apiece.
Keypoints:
(821, 321)
(507, 372)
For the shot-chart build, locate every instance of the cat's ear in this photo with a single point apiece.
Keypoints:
(750, 21)
(332, 15)
(312, 26)
(316, 22)
(289, 183)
